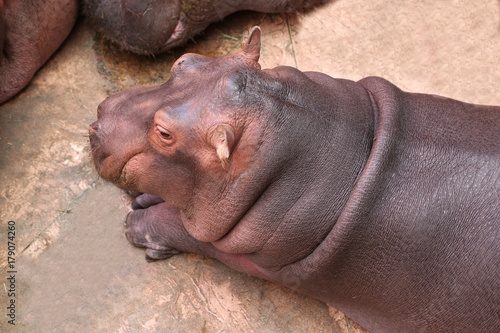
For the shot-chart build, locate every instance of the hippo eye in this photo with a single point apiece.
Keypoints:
(164, 133)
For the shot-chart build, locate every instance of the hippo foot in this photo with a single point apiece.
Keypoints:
(143, 201)
(132, 194)
(151, 225)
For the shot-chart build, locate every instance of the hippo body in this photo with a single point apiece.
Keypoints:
(382, 203)
(30, 32)
(153, 27)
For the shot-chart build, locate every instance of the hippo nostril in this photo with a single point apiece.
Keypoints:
(94, 130)
(94, 126)
(94, 136)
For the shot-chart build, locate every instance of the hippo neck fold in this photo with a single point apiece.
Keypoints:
(312, 129)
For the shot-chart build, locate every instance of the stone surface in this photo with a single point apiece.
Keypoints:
(76, 272)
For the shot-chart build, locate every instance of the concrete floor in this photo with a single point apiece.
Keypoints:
(76, 272)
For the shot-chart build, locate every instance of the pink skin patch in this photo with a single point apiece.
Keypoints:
(178, 32)
(242, 264)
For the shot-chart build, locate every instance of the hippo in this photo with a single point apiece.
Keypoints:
(30, 32)
(153, 27)
(382, 203)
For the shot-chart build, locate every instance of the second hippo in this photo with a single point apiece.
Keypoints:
(30, 32)
(382, 203)
(152, 27)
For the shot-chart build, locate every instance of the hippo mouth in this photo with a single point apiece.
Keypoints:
(109, 166)
(123, 177)
(116, 171)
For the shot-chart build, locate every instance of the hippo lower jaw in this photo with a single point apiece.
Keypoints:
(123, 179)
(108, 167)
(116, 172)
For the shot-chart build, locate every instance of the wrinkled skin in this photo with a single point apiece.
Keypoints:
(379, 202)
(30, 32)
(154, 26)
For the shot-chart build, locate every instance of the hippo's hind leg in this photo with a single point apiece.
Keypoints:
(155, 225)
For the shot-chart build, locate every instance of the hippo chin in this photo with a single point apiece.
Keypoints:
(30, 32)
(382, 203)
(153, 27)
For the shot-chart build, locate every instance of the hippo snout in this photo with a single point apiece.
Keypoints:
(94, 134)
(93, 128)
(97, 156)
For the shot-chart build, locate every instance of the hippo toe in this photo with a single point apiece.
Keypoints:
(144, 228)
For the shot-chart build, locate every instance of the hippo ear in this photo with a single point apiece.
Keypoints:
(222, 140)
(251, 48)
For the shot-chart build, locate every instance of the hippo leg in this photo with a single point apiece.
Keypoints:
(151, 225)
(144, 200)
(155, 225)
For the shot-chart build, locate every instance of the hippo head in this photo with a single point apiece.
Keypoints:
(221, 136)
(186, 138)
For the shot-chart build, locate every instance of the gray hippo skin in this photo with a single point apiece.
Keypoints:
(30, 32)
(382, 203)
(155, 26)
